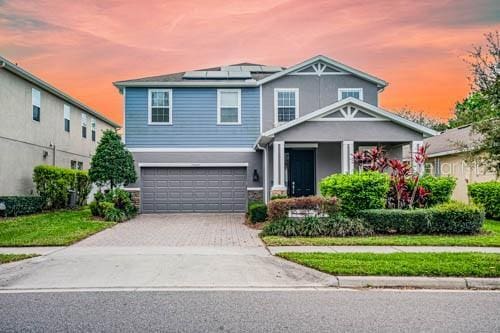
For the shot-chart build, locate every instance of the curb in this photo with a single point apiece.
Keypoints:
(417, 282)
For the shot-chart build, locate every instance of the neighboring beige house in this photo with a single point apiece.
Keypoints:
(39, 124)
(446, 158)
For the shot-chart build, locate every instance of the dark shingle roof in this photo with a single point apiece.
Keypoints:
(179, 77)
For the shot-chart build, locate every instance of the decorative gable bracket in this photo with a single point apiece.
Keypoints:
(349, 113)
(319, 68)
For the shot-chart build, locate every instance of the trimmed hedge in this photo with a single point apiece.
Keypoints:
(333, 226)
(440, 189)
(54, 183)
(486, 194)
(278, 208)
(22, 205)
(447, 218)
(359, 191)
(257, 212)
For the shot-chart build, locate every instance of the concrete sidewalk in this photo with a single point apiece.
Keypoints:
(41, 250)
(381, 249)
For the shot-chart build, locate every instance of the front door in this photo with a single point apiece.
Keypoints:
(301, 175)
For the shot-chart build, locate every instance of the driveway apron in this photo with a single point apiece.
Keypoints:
(164, 250)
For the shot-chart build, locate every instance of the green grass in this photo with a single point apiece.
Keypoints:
(490, 236)
(401, 264)
(5, 258)
(49, 229)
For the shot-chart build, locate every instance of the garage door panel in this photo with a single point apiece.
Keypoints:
(198, 189)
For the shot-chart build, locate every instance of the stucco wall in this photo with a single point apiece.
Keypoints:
(315, 92)
(330, 131)
(455, 165)
(23, 140)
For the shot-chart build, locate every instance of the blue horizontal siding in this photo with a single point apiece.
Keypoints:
(194, 120)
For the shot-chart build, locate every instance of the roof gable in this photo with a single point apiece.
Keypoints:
(349, 109)
(321, 65)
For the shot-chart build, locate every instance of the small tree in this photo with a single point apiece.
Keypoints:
(112, 164)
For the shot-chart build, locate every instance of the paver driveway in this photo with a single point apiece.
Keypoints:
(178, 230)
(178, 250)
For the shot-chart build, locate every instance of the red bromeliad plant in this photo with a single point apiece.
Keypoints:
(404, 191)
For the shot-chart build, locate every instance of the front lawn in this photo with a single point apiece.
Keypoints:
(490, 236)
(401, 264)
(50, 229)
(5, 258)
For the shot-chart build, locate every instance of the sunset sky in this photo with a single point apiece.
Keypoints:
(81, 47)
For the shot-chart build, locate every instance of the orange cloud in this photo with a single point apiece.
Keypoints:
(83, 46)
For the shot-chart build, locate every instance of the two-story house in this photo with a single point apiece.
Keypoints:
(208, 140)
(40, 124)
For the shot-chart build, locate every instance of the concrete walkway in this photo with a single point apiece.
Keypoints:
(382, 249)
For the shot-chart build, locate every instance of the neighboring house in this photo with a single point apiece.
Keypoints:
(41, 125)
(446, 158)
(211, 139)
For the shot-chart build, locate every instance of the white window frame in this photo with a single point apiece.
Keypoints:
(150, 106)
(67, 115)
(36, 100)
(219, 106)
(93, 129)
(342, 90)
(297, 99)
(83, 123)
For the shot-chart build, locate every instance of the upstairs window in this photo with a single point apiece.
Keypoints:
(92, 128)
(286, 103)
(84, 125)
(35, 102)
(67, 117)
(350, 92)
(160, 106)
(228, 106)
(76, 165)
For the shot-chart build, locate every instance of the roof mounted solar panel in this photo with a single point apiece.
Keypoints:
(271, 69)
(195, 75)
(240, 75)
(217, 74)
(231, 68)
(251, 68)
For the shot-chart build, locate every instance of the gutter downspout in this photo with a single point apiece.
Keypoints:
(258, 146)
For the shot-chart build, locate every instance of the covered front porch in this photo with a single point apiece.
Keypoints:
(296, 168)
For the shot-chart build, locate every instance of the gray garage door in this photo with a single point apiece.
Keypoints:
(193, 189)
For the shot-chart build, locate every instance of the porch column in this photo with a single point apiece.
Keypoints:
(278, 168)
(347, 160)
(415, 145)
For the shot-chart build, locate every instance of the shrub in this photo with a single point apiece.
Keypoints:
(54, 183)
(279, 196)
(257, 212)
(457, 218)
(278, 208)
(447, 218)
(313, 226)
(401, 221)
(115, 205)
(22, 205)
(487, 195)
(440, 189)
(359, 191)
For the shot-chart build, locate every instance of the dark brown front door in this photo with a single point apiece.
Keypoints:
(301, 175)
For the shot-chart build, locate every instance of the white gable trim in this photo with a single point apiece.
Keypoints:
(381, 83)
(375, 110)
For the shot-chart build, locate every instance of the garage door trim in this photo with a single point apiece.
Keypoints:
(191, 165)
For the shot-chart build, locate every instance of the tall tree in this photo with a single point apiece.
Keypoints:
(482, 107)
(421, 118)
(484, 62)
(112, 164)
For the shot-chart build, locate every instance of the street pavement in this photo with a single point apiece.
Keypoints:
(320, 310)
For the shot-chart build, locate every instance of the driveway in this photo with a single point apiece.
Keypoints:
(179, 230)
(178, 250)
